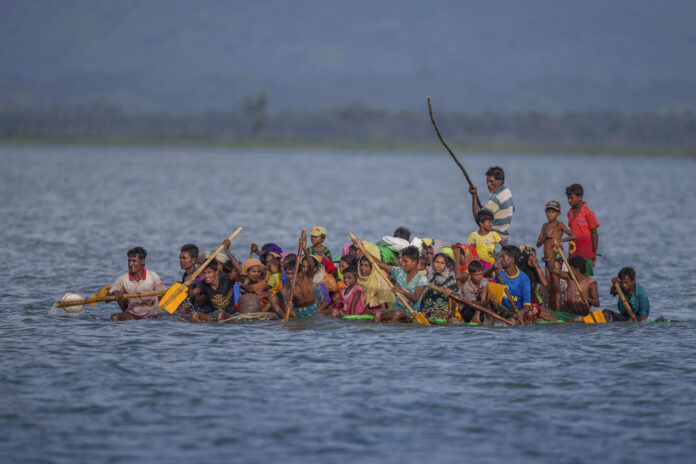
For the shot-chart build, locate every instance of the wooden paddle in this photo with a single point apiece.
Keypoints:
(97, 299)
(454, 157)
(298, 261)
(509, 297)
(177, 293)
(469, 303)
(577, 285)
(99, 293)
(418, 316)
(625, 302)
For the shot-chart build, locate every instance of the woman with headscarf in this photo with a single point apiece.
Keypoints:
(377, 294)
(435, 304)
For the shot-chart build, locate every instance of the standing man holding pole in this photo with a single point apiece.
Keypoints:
(499, 203)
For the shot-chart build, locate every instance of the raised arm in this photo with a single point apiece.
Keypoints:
(474, 200)
(311, 267)
(385, 267)
(458, 273)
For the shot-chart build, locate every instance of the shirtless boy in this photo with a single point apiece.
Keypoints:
(574, 303)
(306, 300)
(551, 232)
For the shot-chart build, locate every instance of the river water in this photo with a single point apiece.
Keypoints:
(84, 389)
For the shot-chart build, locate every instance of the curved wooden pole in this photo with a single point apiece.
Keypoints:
(298, 261)
(449, 150)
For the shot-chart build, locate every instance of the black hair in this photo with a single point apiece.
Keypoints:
(579, 263)
(350, 260)
(290, 264)
(353, 248)
(274, 260)
(514, 253)
(351, 270)
(627, 271)
(191, 250)
(402, 232)
(496, 172)
(449, 262)
(475, 266)
(575, 189)
(410, 252)
(365, 258)
(227, 266)
(137, 251)
(482, 215)
(213, 264)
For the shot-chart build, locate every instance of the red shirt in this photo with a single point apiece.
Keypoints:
(582, 225)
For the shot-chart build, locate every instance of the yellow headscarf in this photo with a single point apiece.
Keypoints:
(375, 289)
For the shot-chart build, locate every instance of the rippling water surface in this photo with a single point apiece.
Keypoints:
(84, 389)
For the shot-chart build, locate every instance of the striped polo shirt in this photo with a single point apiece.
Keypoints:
(500, 204)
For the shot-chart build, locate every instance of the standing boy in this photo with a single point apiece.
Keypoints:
(583, 223)
(317, 236)
(552, 232)
(635, 294)
(136, 280)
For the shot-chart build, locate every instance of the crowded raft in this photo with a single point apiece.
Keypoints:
(485, 279)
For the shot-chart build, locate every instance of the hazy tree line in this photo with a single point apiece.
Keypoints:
(252, 120)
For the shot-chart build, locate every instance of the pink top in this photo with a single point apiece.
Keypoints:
(348, 300)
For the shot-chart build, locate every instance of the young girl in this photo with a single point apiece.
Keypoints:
(485, 238)
(352, 296)
(376, 293)
(435, 304)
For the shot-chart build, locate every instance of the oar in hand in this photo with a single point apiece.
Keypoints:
(177, 293)
(298, 262)
(418, 316)
(469, 303)
(509, 297)
(104, 291)
(76, 306)
(625, 302)
(596, 319)
(454, 157)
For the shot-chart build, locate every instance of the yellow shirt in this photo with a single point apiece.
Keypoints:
(485, 244)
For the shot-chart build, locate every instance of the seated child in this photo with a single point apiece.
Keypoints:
(345, 262)
(274, 277)
(435, 304)
(550, 233)
(351, 296)
(635, 295)
(574, 303)
(377, 294)
(475, 290)
(485, 238)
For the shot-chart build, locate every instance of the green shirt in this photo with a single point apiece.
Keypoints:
(638, 301)
(324, 252)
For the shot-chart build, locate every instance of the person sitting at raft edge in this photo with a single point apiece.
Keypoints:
(138, 279)
(635, 294)
(517, 282)
(499, 203)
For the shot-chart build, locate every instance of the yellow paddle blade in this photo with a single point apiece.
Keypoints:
(497, 292)
(101, 293)
(598, 314)
(420, 318)
(173, 298)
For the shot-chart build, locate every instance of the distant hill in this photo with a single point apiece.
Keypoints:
(179, 56)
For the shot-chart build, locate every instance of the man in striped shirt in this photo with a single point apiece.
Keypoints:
(499, 203)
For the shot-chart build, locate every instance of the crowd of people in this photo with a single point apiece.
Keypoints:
(447, 282)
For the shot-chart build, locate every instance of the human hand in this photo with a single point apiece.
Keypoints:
(473, 191)
(497, 266)
(226, 243)
(615, 281)
(303, 238)
(255, 248)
